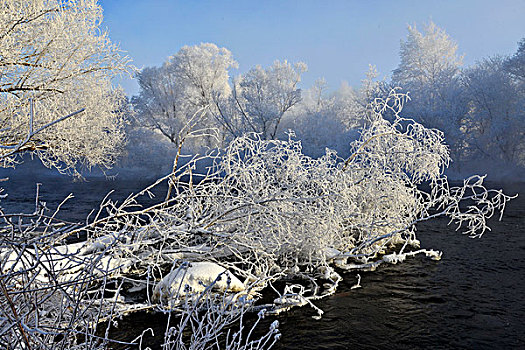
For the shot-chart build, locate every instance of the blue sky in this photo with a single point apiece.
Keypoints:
(337, 39)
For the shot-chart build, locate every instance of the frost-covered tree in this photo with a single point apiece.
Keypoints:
(263, 96)
(331, 120)
(496, 121)
(161, 104)
(516, 63)
(355, 107)
(194, 79)
(429, 64)
(316, 122)
(429, 70)
(314, 99)
(203, 72)
(54, 54)
(266, 210)
(347, 105)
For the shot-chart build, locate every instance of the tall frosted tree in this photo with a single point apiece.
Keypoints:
(264, 95)
(203, 71)
(54, 61)
(429, 63)
(195, 79)
(516, 63)
(161, 104)
(429, 70)
(316, 123)
(496, 116)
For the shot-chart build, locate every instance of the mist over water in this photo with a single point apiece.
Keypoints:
(472, 298)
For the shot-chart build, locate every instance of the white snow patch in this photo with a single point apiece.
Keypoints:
(394, 258)
(196, 277)
(331, 253)
(100, 244)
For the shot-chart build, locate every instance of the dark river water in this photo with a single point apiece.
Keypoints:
(474, 298)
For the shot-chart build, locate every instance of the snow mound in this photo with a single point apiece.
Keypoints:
(196, 277)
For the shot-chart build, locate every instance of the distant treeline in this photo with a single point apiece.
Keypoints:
(480, 109)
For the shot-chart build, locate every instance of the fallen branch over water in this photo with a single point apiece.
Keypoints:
(262, 213)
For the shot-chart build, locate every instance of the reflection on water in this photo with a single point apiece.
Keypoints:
(473, 298)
